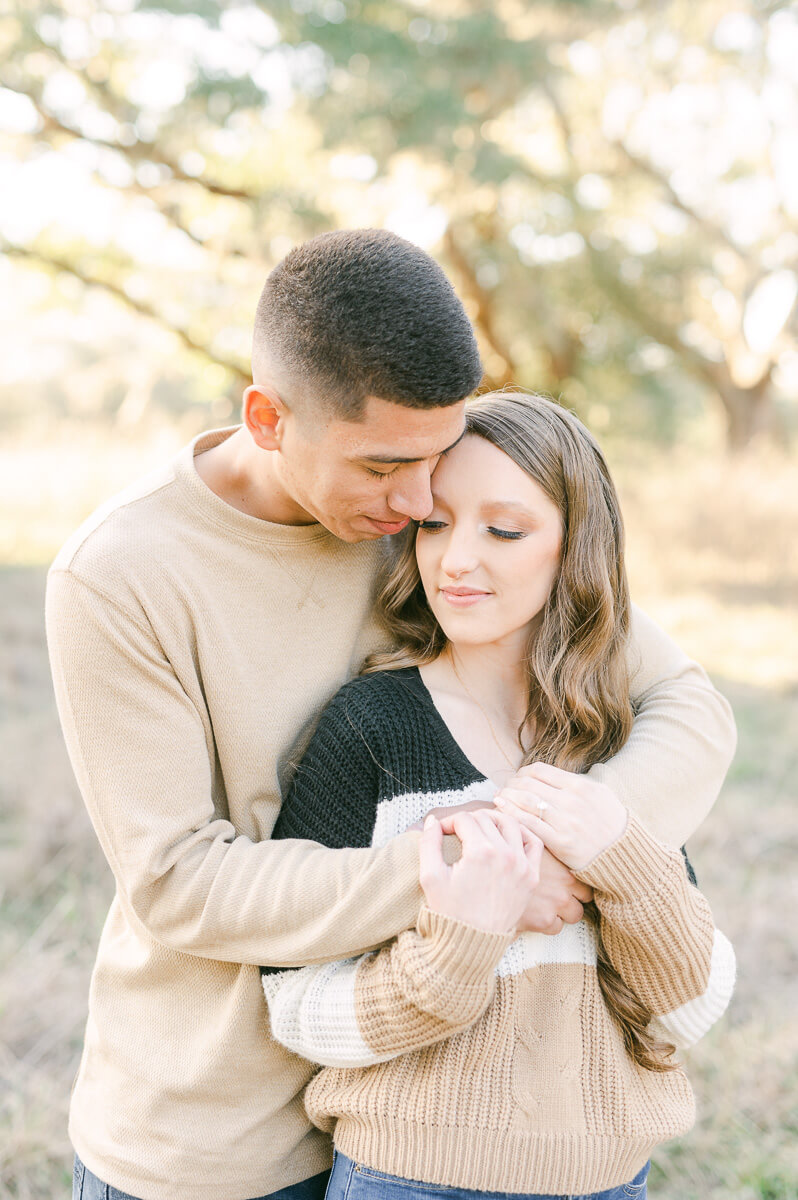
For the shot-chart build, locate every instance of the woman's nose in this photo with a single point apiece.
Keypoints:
(459, 556)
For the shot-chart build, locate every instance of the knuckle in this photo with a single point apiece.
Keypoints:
(429, 874)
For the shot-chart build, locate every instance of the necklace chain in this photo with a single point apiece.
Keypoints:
(472, 697)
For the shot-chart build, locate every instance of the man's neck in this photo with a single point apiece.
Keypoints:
(247, 478)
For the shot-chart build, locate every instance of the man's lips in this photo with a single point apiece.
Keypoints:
(389, 526)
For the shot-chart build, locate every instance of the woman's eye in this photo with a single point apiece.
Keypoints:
(380, 474)
(509, 535)
(431, 526)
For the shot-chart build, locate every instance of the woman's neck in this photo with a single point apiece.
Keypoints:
(495, 674)
(482, 694)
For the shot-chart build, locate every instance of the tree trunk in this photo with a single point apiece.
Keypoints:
(750, 413)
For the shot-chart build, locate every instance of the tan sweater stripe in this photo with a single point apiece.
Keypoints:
(434, 982)
(648, 923)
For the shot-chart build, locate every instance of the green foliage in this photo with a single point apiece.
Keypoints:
(548, 140)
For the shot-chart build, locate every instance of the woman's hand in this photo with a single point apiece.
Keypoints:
(575, 818)
(489, 886)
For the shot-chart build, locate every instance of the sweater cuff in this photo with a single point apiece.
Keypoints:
(461, 952)
(633, 866)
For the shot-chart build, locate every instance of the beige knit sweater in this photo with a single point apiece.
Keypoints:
(192, 646)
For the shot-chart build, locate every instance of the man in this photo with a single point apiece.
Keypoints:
(197, 624)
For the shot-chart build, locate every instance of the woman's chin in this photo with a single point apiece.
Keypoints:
(467, 637)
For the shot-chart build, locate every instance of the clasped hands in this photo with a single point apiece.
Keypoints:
(520, 854)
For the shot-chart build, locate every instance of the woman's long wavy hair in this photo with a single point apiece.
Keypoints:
(579, 706)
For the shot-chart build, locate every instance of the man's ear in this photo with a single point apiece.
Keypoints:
(263, 413)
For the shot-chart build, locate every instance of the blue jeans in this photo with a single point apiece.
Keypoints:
(353, 1181)
(86, 1186)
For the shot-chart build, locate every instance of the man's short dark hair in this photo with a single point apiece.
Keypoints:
(360, 313)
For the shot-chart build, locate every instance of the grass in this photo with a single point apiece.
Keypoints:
(712, 556)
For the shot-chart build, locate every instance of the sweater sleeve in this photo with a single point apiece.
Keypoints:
(431, 982)
(673, 764)
(142, 755)
(659, 933)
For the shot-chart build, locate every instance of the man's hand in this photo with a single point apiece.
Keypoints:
(556, 901)
(444, 811)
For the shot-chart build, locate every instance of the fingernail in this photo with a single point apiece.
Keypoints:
(429, 821)
(499, 801)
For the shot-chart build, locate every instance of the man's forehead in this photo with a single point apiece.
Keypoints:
(394, 433)
(392, 457)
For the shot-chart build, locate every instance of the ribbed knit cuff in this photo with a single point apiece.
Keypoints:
(634, 865)
(461, 952)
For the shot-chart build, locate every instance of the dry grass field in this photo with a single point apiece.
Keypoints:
(713, 556)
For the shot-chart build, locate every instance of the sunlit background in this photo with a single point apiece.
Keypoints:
(612, 187)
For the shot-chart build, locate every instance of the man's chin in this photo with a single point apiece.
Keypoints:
(346, 533)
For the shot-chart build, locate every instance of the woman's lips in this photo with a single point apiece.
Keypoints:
(460, 597)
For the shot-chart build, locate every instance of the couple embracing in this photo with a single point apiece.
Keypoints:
(392, 780)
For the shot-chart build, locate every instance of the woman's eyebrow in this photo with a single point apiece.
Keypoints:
(507, 505)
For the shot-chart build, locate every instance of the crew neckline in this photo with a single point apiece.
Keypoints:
(218, 512)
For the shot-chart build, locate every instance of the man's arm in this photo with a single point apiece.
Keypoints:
(671, 769)
(142, 755)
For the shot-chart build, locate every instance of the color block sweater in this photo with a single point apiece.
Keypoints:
(483, 1060)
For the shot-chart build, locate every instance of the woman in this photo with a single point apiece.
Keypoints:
(463, 1058)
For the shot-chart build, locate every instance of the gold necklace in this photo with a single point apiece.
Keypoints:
(513, 766)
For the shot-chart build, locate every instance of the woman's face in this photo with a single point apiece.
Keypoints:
(489, 552)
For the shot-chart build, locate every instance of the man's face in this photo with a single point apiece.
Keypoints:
(364, 479)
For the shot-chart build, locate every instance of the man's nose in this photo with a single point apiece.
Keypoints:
(411, 495)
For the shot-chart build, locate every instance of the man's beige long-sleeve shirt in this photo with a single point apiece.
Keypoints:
(192, 646)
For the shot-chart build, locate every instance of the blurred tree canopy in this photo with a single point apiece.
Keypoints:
(611, 185)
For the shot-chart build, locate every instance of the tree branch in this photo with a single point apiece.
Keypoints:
(484, 316)
(56, 262)
(53, 126)
(743, 406)
(138, 152)
(646, 168)
(116, 107)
